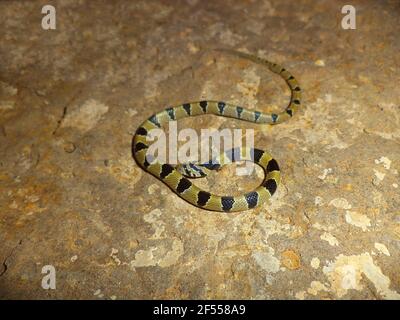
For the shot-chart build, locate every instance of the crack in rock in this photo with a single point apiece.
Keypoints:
(5, 266)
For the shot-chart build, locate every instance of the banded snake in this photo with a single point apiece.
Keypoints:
(177, 178)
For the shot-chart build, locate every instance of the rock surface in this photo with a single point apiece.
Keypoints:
(72, 196)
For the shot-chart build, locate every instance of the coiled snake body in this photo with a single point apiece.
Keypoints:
(179, 182)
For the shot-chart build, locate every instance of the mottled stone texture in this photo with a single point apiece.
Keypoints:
(72, 196)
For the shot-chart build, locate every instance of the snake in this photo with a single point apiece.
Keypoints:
(178, 178)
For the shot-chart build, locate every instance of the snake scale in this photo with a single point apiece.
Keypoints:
(179, 182)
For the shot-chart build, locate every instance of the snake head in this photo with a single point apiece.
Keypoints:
(191, 170)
